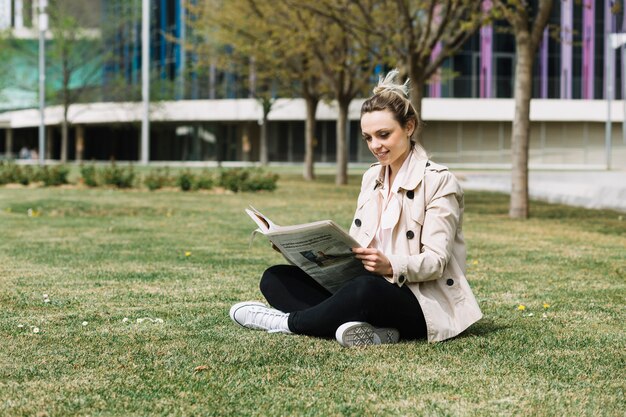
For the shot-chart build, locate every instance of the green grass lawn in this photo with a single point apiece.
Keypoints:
(107, 258)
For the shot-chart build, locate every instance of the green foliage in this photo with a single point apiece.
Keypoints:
(204, 180)
(239, 179)
(188, 180)
(27, 174)
(91, 175)
(185, 180)
(111, 175)
(120, 177)
(157, 178)
(259, 180)
(53, 175)
(24, 174)
(232, 179)
(10, 173)
(88, 175)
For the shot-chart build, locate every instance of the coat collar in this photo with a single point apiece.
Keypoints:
(414, 174)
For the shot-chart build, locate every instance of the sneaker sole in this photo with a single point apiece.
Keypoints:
(357, 333)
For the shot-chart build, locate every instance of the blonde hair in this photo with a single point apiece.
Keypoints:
(393, 96)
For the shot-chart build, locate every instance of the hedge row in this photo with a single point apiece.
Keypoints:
(234, 179)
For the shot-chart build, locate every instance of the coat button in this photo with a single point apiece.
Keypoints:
(450, 282)
(357, 222)
(401, 279)
(410, 234)
(410, 194)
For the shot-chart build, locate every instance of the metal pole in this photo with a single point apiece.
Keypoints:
(608, 61)
(145, 81)
(43, 27)
(624, 93)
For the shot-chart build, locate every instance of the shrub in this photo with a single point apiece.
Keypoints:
(204, 181)
(8, 172)
(157, 178)
(259, 180)
(120, 177)
(232, 179)
(88, 175)
(185, 180)
(23, 174)
(248, 180)
(54, 175)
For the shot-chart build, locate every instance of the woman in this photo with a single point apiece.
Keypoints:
(408, 222)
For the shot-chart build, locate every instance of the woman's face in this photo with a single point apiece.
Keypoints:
(386, 139)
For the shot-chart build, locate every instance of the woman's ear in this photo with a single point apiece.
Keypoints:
(410, 127)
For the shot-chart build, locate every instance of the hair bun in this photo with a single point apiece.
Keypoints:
(389, 84)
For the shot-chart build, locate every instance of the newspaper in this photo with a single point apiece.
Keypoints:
(321, 249)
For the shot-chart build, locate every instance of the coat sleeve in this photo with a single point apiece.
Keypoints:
(441, 221)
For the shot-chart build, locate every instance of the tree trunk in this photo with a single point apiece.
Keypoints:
(521, 128)
(80, 143)
(266, 106)
(417, 92)
(309, 138)
(416, 75)
(263, 157)
(64, 140)
(342, 143)
(8, 143)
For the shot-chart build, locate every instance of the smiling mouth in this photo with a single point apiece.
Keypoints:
(381, 154)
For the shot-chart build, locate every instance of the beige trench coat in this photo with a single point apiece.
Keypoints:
(428, 249)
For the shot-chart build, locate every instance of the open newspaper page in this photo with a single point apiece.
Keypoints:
(321, 249)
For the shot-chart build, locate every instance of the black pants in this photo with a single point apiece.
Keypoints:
(317, 312)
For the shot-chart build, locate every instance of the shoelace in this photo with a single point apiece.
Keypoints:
(264, 318)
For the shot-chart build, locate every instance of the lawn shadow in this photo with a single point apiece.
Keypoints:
(485, 327)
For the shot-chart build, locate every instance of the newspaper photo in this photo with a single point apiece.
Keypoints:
(321, 249)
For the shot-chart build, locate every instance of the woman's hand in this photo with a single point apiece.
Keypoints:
(374, 260)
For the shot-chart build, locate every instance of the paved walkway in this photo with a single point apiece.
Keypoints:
(590, 189)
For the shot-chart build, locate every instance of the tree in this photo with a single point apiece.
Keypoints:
(303, 66)
(347, 63)
(238, 44)
(528, 24)
(75, 59)
(405, 33)
(270, 50)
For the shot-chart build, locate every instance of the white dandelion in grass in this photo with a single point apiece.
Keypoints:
(125, 320)
(20, 326)
(35, 329)
(85, 323)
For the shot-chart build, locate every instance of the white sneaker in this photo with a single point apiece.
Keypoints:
(256, 315)
(359, 333)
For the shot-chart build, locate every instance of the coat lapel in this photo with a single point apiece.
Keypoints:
(415, 174)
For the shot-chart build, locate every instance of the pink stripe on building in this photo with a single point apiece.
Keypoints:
(588, 49)
(486, 56)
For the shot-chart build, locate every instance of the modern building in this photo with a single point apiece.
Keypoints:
(468, 109)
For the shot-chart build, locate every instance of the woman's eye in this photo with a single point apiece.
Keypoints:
(367, 138)
(383, 134)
